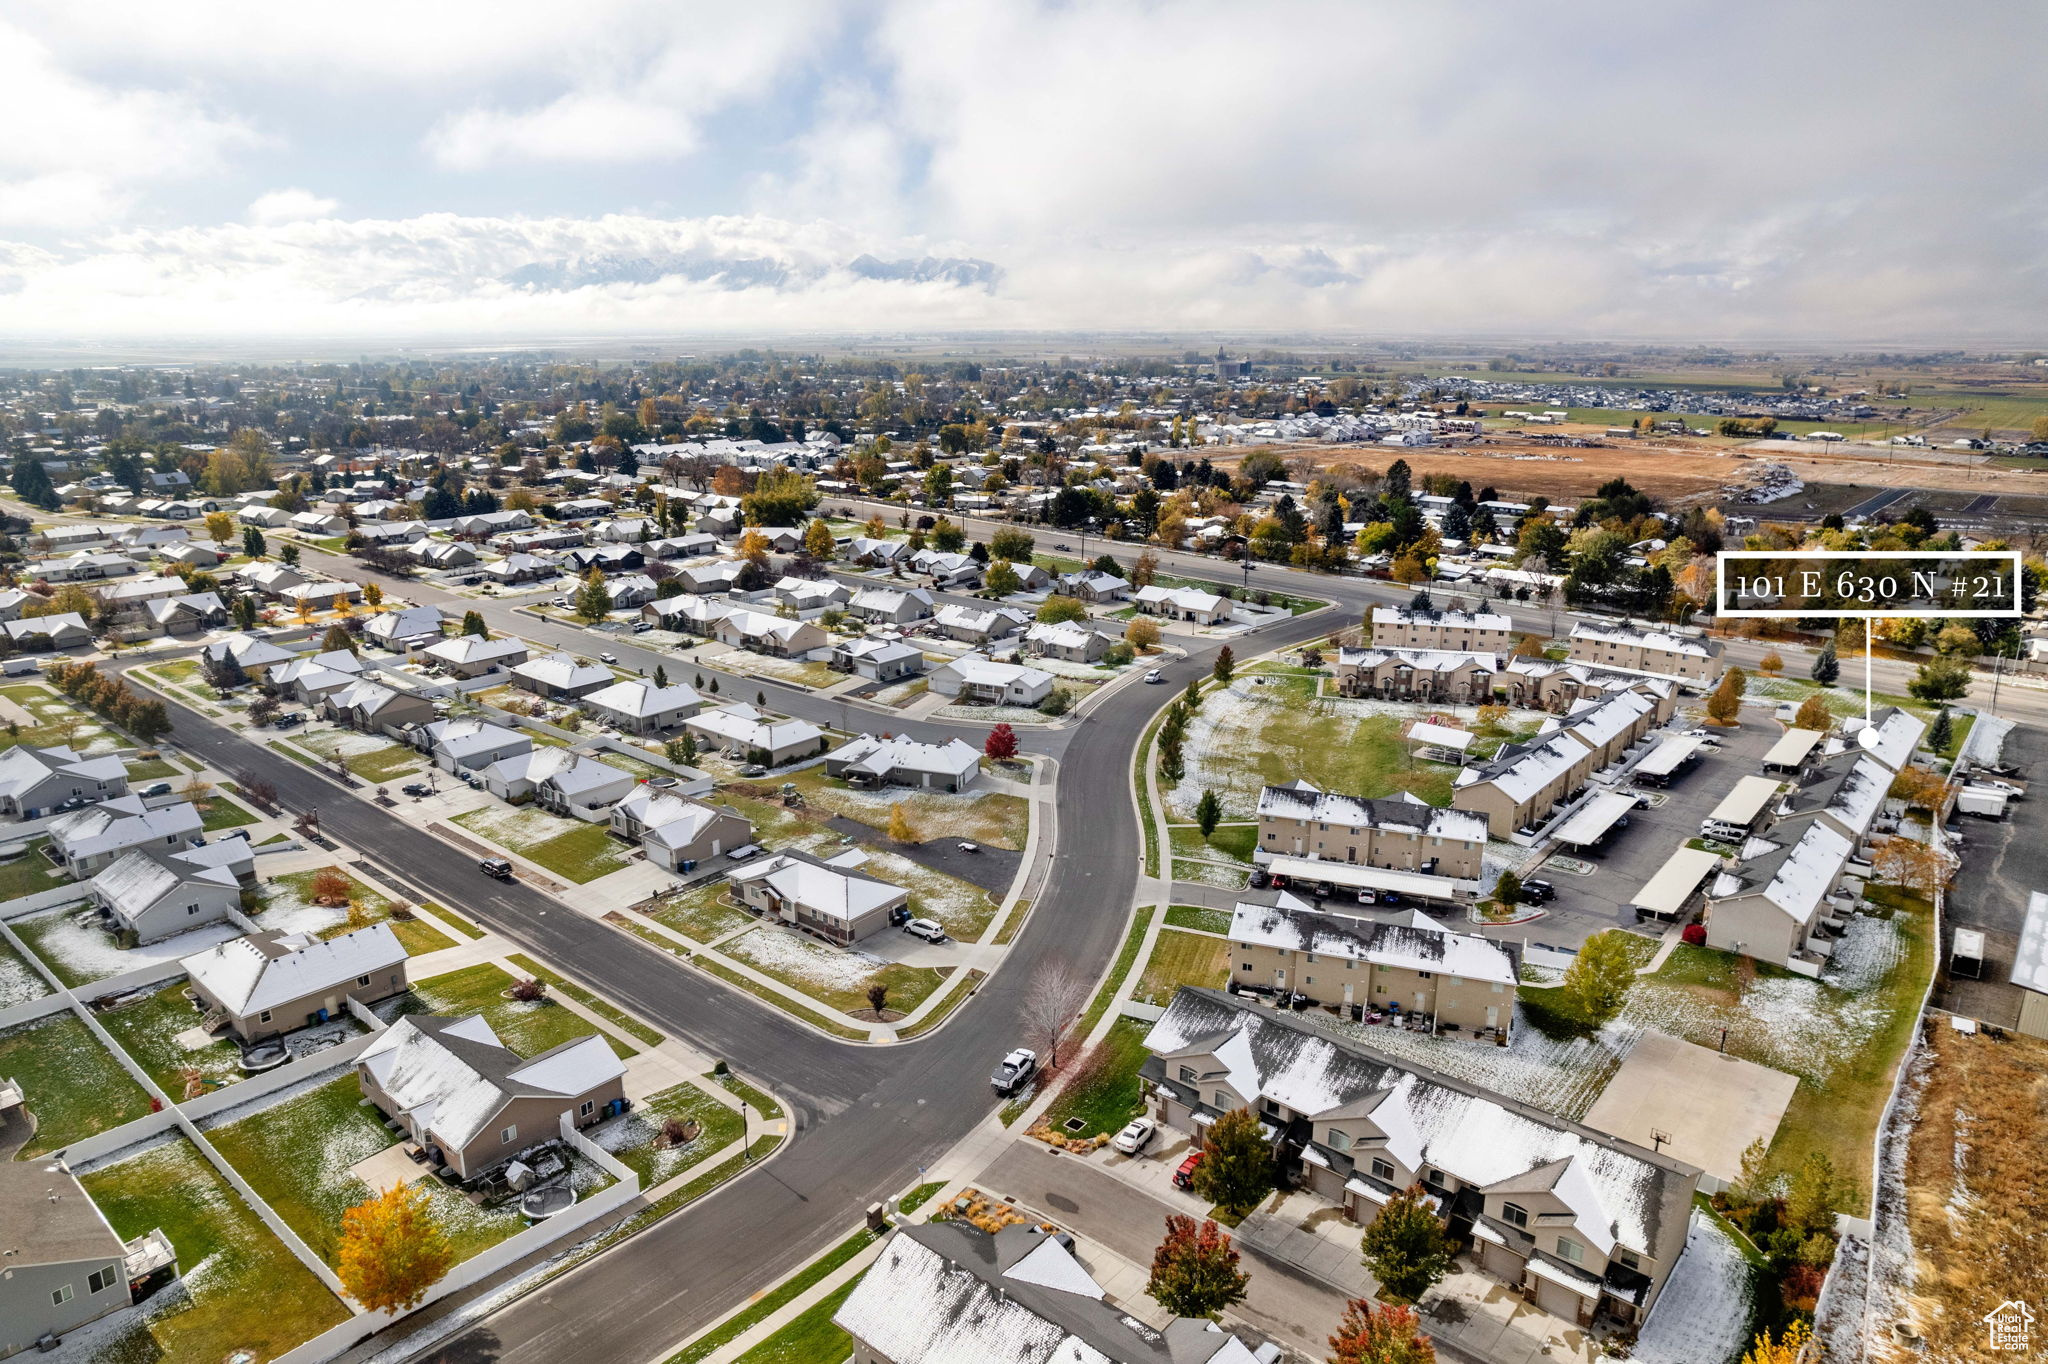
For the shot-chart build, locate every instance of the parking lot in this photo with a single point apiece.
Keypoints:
(1628, 857)
(2003, 863)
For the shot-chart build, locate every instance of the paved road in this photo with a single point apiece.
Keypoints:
(865, 1118)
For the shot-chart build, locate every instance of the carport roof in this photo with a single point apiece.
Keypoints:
(1369, 878)
(1595, 818)
(2030, 963)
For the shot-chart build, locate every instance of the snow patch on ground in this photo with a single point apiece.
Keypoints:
(1702, 1316)
(993, 715)
(786, 954)
(288, 911)
(18, 982)
(345, 743)
(81, 947)
(1230, 876)
(1559, 1075)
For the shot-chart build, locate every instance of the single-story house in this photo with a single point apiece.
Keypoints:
(977, 625)
(442, 554)
(255, 656)
(1184, 603)
(834, 904)
(870, 761)
(641, 707)
(158, 897)
(745, 732)
(472, 1102)
(559, 780)
(561, 677)
(87, 842)
(890, 606)
(1091, 586)
(769, 634)
(1069, 641)
(469, 744)
(65, 630)
(405, 629)
(673, 830)
(806, 594)
(976, 677)
(468, 656)
(186, 614)
(274, 982)
(374, 708)
(686, 614)
(521, 568)
(881, 660)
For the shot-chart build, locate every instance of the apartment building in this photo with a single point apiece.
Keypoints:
(1471, 632)
(1667, 653)
(1299, 820)
(1444, 676)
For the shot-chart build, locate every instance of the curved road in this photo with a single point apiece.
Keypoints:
(865, 1119)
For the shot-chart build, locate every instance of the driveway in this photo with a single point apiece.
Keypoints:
(2003, 862)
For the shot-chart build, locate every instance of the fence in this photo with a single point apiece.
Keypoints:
(23, 905)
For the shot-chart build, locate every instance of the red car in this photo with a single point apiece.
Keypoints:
(1185, 1175)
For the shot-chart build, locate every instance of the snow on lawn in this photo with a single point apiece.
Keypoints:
(345, 743)
(1224, 876)
(72, 941)
(962, 907)
(746, 664)
(1077, 672)
(1702, 1316)
(799, 959)
(993, 715)
(18, 981)
(516, 826)
(287, 910)
(1559, 1075)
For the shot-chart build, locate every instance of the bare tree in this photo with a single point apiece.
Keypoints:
(1057, 995)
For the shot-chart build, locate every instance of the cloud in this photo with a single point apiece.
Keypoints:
(290, 206)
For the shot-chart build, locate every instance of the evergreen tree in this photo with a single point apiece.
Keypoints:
(252, 543)
(1943, 733)
(1208, 813)
(660, 675)
(1826, 667)
(473, 624)
(32, 482)
(1507, 892)
(1226, 666)
(1405, 1247)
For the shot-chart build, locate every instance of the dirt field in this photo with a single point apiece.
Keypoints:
(1671, 470)
(1976, 1199)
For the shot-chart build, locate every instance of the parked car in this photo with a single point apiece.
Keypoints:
(970, 847)
(290, 718)
(1154, 675)
(641, 627)
(416, 788)
(2011, 792)
(1135, 1136)
(1184, 1177)
(1019, 1066)
(561, 601)
(161, 788)
(744, 851)
(927, 929)
(1261, 878)
(496, 866)
(1538, 891)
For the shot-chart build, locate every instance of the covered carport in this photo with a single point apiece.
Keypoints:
(1792, 750)
(1672, 759)
(1743, 803)
(1664, 895)
(1300, 872)
(1595, 819)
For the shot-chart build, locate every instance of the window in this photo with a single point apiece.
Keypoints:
(1436, 1177)
(1339, 1141)
(191, 909)
(509, 1135)
(1571, 1250)
(1308, 980)
(1223, 1100)
(1628, 1258)
(585, 1109)
(1514, 1214)
(101, 1280)
(1248, 966)
(1187, 1074)
(362, 980)
(1383, 1169)
(61, 1296)
(1422, 975)
(1311, 958)
(263, 1017)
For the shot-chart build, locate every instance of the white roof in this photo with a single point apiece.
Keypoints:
(562, 671)
(879, 757)
(1464, 955)
(1663, 641)
(1745, 800)
(122, 823)
(1796, 878)
(825, 891)
(1898, 734)
(741, 723)
(986, 672)
(135, 881)
(1476, 620)
(1371, 878)
(1792, 747)
(246, 979)
(1676, 880)
(1595, 818)
(1528, 773)
(23, 768)
(1300, 800)
(668, 820)
(1669, 753)
(1598, 722)
(2030, 962)
(1443, 736)
(465, 649)
(468, 735)
(642, 699)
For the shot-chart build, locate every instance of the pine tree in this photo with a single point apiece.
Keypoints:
(252, 543)
(1208, 813)
(473, 624)
(1194, 1271)
(1943, 733)
(1192, 697)
(1405, 1247)
(1380, 1333)
(660, 676)
(393, 1250)
(1826, 667)
(1507, 892)
(32, 482)
(1226, 666)
(1237, 1164)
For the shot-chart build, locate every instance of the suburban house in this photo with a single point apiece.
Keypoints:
(1462, 982)
(834, 904)
(877, 553)
(1667, 653)
(521, 568)
(186, 614)
(890, 606)
(1092, 586)
(467, 656)
(409, 628)
(1442, 676)
(673, 830)
(879, 660)
(712, 578)
(1774, 902)
(469, 744)
(84, 566)
(65, 1267)
(1184, 603)
(1471, 632)
(318, 596)
(766, 634)
(808, 594)
(686, 614)
(157, 897)
(559, 780)
(271, 579)
(869, 761)
(629, 590)
(1067, 641)
(38, 781)
(273, 982)
(309, 679)
(976, 625)
(472, 1102)
(374, 708)
(441, 554)
(65, 630)
(947, 569)
(976, 677)
(1298, 820)
(561, 677)
(1580, 1223)
(254, 656)
(643, 708)
(749, 734)
(949, 1292)
(88, 841)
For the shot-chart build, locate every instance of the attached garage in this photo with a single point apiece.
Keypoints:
(1564, 1293)
(1323, 1181)
(1495, 1257)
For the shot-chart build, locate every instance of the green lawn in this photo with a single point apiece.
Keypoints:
(146, 1031)
(454, 920)
(1230, 842)
(1197, 916)
(918, 1197)
(570, 848)
(1271, 727)
(30, 874)
(244, 1293)
(74, 1086)
(810, 1337)
(772, 1301)
(999, 820)
(1120, 968)
(1182, 959)
(222, 813)
(284, 894)
(296, 1155)
(526, 1028)
(835, 978)
(631, 1137)
(755, 1099)
(152, 769)
(604, 1008)
(378, 765)
(1103, 1090)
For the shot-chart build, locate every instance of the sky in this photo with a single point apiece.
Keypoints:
(1873, 172)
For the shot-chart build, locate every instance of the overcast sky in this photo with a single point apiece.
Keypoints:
(503, 168)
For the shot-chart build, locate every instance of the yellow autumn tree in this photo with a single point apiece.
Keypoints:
(1786, 1349)
(900, 828)
(393, 1250)
(818, 539)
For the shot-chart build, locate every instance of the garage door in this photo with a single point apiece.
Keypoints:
(1558, 1300)
(1502, 1263)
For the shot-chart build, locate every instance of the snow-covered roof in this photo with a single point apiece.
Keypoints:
(454, 1075)
(1800, 866)
(668, 820)
(1848, 789)
(1300, 800)
(135, 881)
(1185, 598)
(462, 737)
(826, 891)
(23, 768)
(642, 699)
(2030, 962)
(1523, 770)
(1590, 823)
(122, 823)
(561, 671)
(1598, 722)
(974, 620)
(1897, 734)
(980, 671)
(1420, 660)
(1663, 641)
(263, 970)
(1464, 955)
(467, 649)
(1449, 619)
(876, 757)
(741, 723)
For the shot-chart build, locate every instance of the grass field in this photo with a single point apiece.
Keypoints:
(809, 1337)
(702, 914)
(604, 1008)
(1272, 728)
(997, 819)
(631, 1137)
(836, 978)
(1230, 842)
(74, 1086)
(373, 759)
(1182, 959)
(1103, 1089)
(221, 813)
(147, 1031)
(1200, 917)
(570, 848)
(527, 1028)
(288, 903)
(245, 1295)
(19, 982)
(1118, 969)
(30, 874)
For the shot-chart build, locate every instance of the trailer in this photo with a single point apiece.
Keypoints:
(1966, 957)
(1985, 802)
